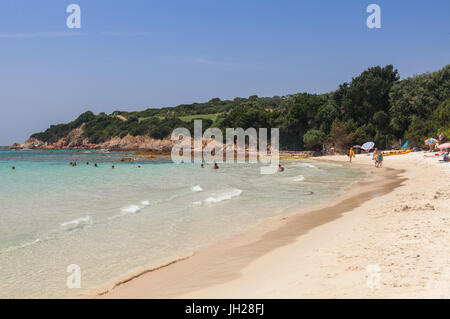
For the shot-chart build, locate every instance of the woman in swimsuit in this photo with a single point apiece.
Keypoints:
(380, 159)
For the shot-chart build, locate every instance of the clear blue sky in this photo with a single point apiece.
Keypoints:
(134, 54)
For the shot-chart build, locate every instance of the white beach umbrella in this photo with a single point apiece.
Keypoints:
(368, 146)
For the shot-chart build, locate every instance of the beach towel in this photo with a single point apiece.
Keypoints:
(433, 156)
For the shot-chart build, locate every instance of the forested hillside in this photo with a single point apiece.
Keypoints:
(375, 106)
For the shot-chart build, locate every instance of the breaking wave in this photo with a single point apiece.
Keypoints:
(298, 178)
(130, 209)
(77, 223)
(197, 188)
(220, 197)
(12, 248)
(307, 165)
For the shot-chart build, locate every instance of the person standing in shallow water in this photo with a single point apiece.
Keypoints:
(375, 157)
(380, 160)
(351, 154)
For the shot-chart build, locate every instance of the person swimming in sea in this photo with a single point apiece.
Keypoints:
(280, 168)
(95, 165)
(139, 166)
(215, 166)
(112, 167)
(202, 166)
(13, 168)
(87, 163)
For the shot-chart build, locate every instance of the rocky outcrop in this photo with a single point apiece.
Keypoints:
(127, 143)
(75, 141)
(132, 143)
(31, 143)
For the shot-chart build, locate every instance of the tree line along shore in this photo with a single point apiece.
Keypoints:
(374, 106)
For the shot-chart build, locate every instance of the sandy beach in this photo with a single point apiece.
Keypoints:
(391, 228)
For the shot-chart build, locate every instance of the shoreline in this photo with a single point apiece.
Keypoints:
(222, 262)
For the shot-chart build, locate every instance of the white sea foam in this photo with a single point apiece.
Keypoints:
(197, 188)
(223, 196)
(77, 223)
(332, 164)
(130, 209)
(12, 248)
(306, 165)
(298, 178)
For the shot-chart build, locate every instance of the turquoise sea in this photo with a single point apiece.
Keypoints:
(112, 222)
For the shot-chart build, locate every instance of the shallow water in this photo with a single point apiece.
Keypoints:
(111, 222)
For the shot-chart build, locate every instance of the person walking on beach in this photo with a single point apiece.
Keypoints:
(379, 160)
(351, 154)
(375, 157)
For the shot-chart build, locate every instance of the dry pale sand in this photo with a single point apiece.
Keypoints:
(392, 228)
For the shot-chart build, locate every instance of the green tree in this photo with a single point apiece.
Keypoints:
(343, 133)
(442, 118)
(314, 137)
